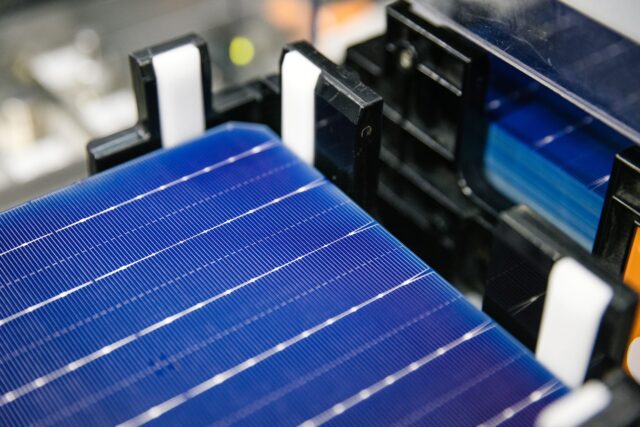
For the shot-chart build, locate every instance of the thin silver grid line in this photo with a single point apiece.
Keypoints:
(185, 208)
(364, 394)
(230, 160)
(43, 380)
(132, 379)
(77, 325)
(327, 367)
(597, 183)
(222, 377)
(567, 130)
(513, 410)
(436, 404)
(307, 187)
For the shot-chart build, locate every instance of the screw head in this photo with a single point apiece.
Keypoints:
(406, 59)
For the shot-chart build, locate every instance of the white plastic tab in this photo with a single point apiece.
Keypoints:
(577, 407)
(633, 359)
(575, 303)
(180, 96)
(299, 79)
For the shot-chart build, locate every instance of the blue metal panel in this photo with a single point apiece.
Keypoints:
(224, 281)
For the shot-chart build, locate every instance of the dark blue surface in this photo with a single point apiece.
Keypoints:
(222, 283)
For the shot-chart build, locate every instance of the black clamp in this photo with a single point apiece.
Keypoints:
(623, 409)
(433, 82)
(146, 135)
(347, 124)
(621, 213)
(526, 247)
(344, 131)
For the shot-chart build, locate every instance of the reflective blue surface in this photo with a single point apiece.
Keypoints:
(558, 47)
(225, 282)
(541, 150)
(546, 153)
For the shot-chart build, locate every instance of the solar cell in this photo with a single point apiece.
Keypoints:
(543, 152)
(225, 281)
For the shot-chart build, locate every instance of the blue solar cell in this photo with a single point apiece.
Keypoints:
(543, 152)
(225, 281)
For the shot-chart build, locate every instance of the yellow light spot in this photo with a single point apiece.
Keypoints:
(241, 51)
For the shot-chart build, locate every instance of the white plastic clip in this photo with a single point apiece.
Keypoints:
(180, 95)
(574, 306)
(577, 407)
(299, 79)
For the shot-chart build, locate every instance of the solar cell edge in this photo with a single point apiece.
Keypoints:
(248, 135)
(261, 216)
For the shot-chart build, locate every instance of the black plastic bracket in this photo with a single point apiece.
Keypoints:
(145, 136)
(348, 117)
(348, 122)
(525, 249)
(433, 82)
(623, 410)
(523, 253)
(621, 213)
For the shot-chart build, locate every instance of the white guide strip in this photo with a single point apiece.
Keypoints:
(576, 301)
(180, 97)
(633, 359)
(577, 407)
(299, 78)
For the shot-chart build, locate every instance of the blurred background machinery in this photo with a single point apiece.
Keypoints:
(64, 76)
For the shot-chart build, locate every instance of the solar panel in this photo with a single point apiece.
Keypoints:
(225, 281)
